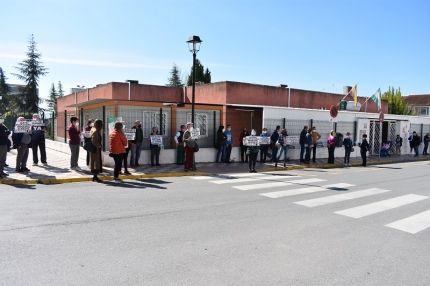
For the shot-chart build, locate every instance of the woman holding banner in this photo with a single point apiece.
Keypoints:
(252, 152)
(155, 148)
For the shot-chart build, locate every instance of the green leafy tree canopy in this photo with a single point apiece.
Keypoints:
(396, 103)
(175, 77)
(30, 69)
(201, 74)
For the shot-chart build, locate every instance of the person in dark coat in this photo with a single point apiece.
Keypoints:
(426, 144)
(243, 148)
(364, 147)
(274, 138)
(302, 141)
(221, 140)
(4, 133)
(96, 157)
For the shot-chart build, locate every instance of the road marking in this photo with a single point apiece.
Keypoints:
(262, 186)
(381, 206)
(340, 198)
(246, 175)
(412, 224)
(241, 180)
(302, 174)
(306, 181)
(294, 192)
(201, 177)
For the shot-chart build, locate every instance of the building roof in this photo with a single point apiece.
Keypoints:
(418, 99)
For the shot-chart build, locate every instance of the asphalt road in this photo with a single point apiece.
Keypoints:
(351, 226)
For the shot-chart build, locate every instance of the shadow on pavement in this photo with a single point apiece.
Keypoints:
(132, 184)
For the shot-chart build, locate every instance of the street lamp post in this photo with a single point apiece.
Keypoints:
(194, 49)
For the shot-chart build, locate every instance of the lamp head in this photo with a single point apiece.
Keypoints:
(196, 42)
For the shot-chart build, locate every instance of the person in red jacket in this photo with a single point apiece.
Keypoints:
(117, 145)
(74, 141)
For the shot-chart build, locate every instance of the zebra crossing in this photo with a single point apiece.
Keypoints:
(294, 185)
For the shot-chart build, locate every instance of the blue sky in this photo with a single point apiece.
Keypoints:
(317, 45)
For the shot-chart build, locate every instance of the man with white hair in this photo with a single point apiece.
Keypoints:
(38, 140)
(20, 142)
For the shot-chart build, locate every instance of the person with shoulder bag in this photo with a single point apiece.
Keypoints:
(189, 148)
(364, 147)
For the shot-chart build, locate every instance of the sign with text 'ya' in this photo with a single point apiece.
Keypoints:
(293, 140)
(37, 125)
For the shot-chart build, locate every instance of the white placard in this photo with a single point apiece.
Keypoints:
(37, 125)
(156, 139)
(86, 134)
(251, 141)
(22, 127)
(264, 140)
(195, 134)
(293, 140)
(130, 133)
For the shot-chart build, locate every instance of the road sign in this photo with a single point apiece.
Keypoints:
(333, 111)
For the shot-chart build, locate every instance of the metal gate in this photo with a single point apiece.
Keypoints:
(375, 134)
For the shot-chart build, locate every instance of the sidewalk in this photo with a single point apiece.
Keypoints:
(58, 169)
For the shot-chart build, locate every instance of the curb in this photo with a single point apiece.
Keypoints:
(195, 173)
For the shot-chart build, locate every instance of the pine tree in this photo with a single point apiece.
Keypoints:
(207, 76)
(30, 70)
(52, 100)
(175, 77)
(4, 93)
(396, 102)
(200, 74)
(60, 91)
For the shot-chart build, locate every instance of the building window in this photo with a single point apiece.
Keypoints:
(200, 121)
(151, 119)
(422, 111)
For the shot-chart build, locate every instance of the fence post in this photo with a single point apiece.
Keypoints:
(81, 120)
(53, 125)
(65, 126)
(312, 124)
(104, 129)
(214, 129)
(355, 130)
(283, 122)
(161, 121)
(335, 127)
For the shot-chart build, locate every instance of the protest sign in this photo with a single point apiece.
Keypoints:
(293, 140)
(86, 134)
(156, 139)
(264, 140)
(37, 125)
(22, 127)
(130, 133)
(195, 134)
(251, 141)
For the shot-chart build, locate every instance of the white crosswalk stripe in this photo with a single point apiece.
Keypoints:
(241, 180)
(413, 224)
(262, 186)
(340, 198)
(294, 192)
(381, 206)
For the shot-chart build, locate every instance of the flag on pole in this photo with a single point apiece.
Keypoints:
(353, 93)
(376, 97)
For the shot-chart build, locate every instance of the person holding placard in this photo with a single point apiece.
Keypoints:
(264, 148)
(189, 148)
(74, 141)
(20, 143)
(87, 129)
(37, 133)
(154, 147)
(179, 140)
(252, 152)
